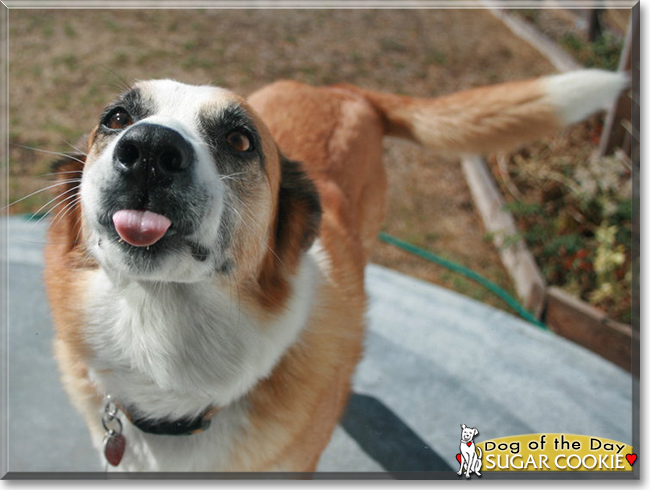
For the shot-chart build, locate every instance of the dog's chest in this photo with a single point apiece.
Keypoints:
(178, 349)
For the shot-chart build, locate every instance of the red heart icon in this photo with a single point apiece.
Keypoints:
(469, 444)
(631, 458)
(458, 458)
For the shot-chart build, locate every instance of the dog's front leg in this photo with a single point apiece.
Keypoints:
(471, 459)
(477, 466)
(462, 461)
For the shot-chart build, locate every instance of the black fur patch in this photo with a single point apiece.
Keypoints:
(135, 102)
(199, 253)
(298, 195)
(225, 267)
(216, 127)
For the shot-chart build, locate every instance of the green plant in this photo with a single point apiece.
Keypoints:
(575, 215)
(609, 267)
(604, 52)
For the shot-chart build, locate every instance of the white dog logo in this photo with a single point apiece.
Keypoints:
(468, 456)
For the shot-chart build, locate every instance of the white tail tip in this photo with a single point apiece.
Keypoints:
(579, 94)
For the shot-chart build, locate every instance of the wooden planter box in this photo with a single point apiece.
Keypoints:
(585, 325)
(567, 316)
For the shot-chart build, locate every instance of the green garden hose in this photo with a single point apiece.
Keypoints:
(431, 257)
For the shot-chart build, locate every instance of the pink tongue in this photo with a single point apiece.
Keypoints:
(140, 228)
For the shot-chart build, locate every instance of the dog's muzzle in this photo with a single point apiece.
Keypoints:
(153, 162)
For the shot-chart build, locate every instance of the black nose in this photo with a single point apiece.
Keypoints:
(153, 153)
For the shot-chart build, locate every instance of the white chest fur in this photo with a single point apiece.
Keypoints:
(173, 350)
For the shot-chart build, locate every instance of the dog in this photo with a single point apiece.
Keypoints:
(206, 281)
(470, 455)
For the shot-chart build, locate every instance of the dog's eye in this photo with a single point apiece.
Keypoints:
(239, 141)
(118, 120)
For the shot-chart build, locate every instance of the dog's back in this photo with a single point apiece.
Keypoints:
(337, 131)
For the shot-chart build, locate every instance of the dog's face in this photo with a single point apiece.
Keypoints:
(467, 433)
(180, 183)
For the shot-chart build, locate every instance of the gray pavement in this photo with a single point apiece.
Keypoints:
(434, 359)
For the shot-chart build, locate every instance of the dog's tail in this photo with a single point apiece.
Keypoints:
(497, 117)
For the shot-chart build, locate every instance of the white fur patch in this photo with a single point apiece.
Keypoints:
(322, 258)
(579, 94)
(182, 102)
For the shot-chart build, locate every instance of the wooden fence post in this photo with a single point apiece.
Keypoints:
(618, 130)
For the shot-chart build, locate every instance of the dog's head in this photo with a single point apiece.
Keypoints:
(182, 183)
(467, 433)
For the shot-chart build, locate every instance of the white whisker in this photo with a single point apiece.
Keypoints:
(40, 176)
(63, 182)
(54, 199)
(49, 152)
(230, 176)
(73, 196)
(65, 211)
(74, 147)
(246, 210)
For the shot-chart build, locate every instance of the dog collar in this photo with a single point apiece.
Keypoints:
(115, 442)
(185, 426)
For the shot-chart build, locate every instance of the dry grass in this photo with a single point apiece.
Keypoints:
(66, 64)
(561, 27)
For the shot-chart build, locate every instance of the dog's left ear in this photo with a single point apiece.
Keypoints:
(475, 432)
(299, 212)
(296, 226)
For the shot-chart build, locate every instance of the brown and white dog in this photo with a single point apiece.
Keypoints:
(208, 276)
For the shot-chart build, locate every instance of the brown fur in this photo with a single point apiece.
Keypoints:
(472, 121)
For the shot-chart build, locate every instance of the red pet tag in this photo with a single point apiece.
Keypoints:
(114, 441)
(114, 446)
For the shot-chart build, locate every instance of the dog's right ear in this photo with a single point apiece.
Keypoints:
(68, 170)
(66, 213)
(71, 165)
(463, 426)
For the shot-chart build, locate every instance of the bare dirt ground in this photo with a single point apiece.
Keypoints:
(64, 65)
